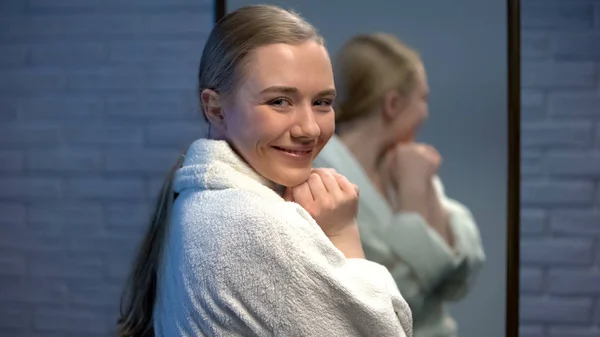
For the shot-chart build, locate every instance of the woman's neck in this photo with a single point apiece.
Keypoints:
(364, 143)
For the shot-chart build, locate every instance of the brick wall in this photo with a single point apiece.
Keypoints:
(96, 99)
(560, 164)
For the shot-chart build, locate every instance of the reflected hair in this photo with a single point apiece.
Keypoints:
(366, 68)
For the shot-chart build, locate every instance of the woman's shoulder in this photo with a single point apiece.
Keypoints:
(231, 211)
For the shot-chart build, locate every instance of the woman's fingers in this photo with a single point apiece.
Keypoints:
(329, 180)
(302, 194)
(345, 184)
(317, 187)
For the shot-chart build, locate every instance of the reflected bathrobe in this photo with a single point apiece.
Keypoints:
(427, 270)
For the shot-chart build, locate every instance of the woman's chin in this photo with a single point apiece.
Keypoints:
(291, 177)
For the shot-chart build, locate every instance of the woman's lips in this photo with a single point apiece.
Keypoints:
(297, 152)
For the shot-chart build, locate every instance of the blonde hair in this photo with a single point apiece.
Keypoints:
(366, 68)
(222, 67)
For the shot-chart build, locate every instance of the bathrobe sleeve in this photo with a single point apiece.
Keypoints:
(425, 264)
(271, 271)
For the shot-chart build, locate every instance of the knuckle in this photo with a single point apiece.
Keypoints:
(329, 204)
(315, 212)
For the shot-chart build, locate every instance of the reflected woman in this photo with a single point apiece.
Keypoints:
(429, 243)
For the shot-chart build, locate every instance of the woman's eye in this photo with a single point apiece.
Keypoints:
(323, 102)
(279, 102)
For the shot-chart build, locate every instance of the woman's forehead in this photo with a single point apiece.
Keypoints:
(303, 66)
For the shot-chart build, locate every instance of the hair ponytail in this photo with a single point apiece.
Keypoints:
(137, 302)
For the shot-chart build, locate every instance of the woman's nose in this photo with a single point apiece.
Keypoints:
(306, 125)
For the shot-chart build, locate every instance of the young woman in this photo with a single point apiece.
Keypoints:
(248, 239)
(429, 243)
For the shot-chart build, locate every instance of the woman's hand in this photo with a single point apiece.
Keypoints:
(409, 170)
(332, 200)
(411, 165)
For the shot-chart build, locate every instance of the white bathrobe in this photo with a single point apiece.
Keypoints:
(238, 260)
(428, 272)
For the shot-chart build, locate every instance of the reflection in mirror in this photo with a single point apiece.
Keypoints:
(421, 128)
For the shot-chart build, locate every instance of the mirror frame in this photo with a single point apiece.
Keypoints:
(513, 215)
(513, 15)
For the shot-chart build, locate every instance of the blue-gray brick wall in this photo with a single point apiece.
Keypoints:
(97, 98)
(560, 169)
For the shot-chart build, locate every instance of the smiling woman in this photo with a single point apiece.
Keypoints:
(247, 239)
(278, 129)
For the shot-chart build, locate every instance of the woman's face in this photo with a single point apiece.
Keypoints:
(281, 117)
(411, 115)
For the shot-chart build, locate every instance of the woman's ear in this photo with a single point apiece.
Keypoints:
(392, 105)
(212, 108)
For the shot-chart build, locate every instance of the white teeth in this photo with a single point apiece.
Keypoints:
(295, 152)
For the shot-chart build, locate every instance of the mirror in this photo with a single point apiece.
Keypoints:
(466, 56)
